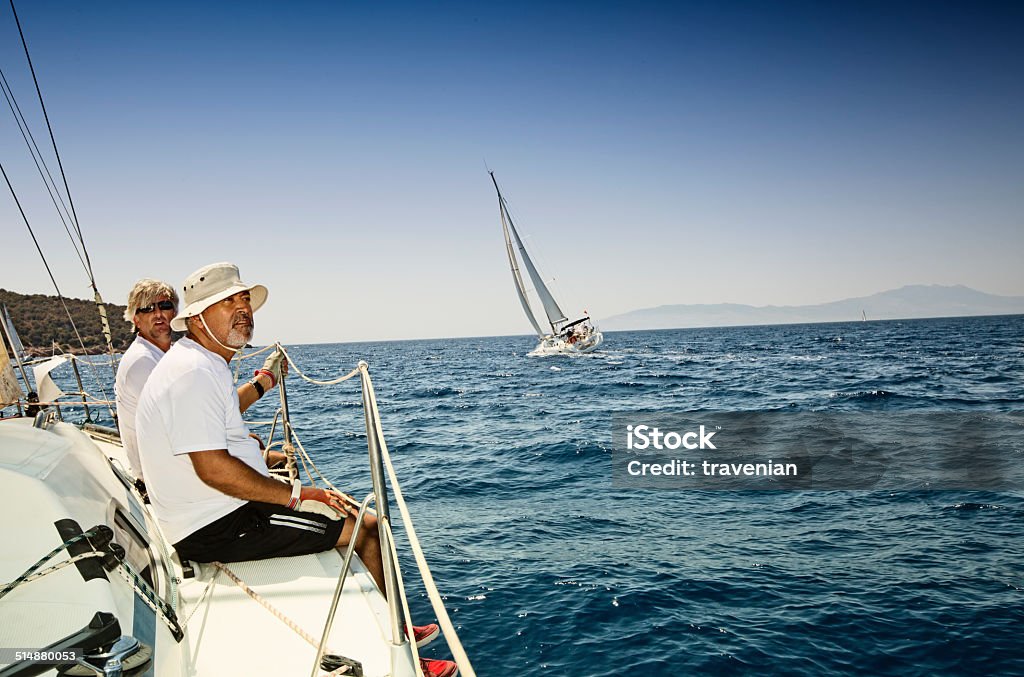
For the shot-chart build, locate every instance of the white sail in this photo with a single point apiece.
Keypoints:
(551, 309)
(520, 289)
(16, 347)
(10, 391)
(48, 390)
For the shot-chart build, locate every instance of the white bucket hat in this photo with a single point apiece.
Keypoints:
(213, 283)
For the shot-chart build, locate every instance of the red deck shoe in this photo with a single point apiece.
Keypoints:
(432, 668)
(425, 634)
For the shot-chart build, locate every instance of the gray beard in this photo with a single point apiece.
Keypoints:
(237, 338)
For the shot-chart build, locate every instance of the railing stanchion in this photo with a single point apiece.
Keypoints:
(345, 564)
(392, 590)
(81, 388)
(286, 430)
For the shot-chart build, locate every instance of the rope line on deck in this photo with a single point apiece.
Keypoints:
(151, 598)
(278, 614)
(24, 577)
(45, 572)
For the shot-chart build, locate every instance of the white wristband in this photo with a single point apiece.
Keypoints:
(296, 491)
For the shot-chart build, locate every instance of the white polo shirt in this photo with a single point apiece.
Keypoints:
(190, 404)
(136, 364)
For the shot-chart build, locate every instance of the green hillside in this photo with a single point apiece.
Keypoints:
(40, 320)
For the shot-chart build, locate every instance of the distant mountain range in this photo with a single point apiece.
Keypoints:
(912, 301)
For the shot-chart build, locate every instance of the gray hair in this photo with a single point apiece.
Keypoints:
(144, 293)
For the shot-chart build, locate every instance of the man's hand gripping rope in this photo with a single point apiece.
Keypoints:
(328, 502)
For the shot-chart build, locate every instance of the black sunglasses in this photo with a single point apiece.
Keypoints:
(162, 305)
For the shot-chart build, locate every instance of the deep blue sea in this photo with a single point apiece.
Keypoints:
(549, 569)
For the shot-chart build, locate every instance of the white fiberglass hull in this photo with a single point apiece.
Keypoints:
(554, 345)
(59, 474)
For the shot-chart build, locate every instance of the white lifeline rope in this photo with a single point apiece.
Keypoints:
(72, 403)
(313, 380)
(294, 366)
(304, 457)
(428, 580)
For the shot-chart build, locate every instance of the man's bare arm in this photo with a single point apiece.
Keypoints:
(247, 394)
(227, 474)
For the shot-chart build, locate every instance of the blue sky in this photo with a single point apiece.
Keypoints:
(652, 153)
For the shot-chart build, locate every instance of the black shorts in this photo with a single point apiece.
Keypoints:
(260, 531)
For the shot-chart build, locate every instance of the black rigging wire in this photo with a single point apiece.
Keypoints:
(41, 166)
(53, 141)
(41, 255)
(74, 221)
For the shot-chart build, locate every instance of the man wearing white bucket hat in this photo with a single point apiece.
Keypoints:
(207, 480)
(209, 485)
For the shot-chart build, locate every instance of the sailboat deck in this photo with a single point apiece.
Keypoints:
(61, 473)
(300, 588)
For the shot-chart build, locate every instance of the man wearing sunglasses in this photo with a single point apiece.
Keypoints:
(152, 305)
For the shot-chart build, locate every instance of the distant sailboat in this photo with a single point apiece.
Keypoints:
(863, 316)
(577, 336)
